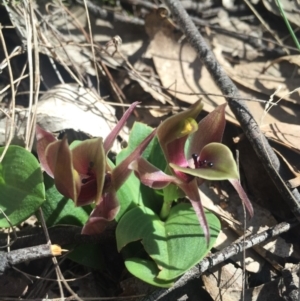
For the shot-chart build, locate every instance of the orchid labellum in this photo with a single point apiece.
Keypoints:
(194, 153)
(82, 171)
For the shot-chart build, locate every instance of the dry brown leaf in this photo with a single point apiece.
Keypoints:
(180, 70)
(283, 133)
(178, 66)
(233, 216)
(220, 281)
(288, 136)
(252, 76)
(230, 234)
(283, 112)
(274, 290)
(232, 46)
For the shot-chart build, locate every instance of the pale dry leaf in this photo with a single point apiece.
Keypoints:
(221, 280)
(247, 75)
(275, 290)
(179, 68)
(232, 46)
(262, 221)
(69, 106)
(283, 133)
(252, 76)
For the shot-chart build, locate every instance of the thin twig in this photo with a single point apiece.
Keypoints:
(13, 96)
(59, 274)
(30, 128)
(92, 44)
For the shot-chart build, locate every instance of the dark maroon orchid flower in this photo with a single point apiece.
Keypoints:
(204, 158)
(82, 172)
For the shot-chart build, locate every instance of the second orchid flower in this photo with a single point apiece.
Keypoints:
(194, 153)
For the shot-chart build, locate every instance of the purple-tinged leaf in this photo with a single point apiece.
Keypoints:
(43, 140)
(108, 142)
(216, 162)
(102, 214)
(242, 194)
(210, 129)
(89, 159)
(151, 176)
(66, 178)
(88, 192)
(192, 192)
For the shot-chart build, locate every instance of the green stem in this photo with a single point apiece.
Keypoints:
(165, 210)
(287, 24)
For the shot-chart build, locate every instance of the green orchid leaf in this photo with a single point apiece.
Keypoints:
(138, 133)
(223, 164)
(21, 185)
(60, 210)
(126, 194)
(147, 271)
(129, 194)
(174, 245)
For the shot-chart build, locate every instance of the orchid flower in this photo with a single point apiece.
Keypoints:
(82, 171)
(194, 154)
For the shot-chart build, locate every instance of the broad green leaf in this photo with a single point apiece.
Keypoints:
(60, 210)
(138, 133)
(21, 185)
(147, 271)
(156, 156)
(174, 245)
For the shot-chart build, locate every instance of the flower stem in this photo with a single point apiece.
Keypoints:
(165, 210)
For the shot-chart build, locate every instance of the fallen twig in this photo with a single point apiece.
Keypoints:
(8, 259)
(221, 256)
